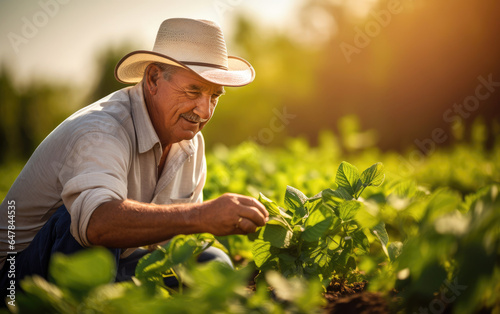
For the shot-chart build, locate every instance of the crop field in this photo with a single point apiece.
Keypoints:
(352, 230)
(368, 129)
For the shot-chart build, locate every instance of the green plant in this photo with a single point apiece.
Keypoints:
(167, 260)
(83, 283)
(318, 236)
(444, 209)
(450, 260)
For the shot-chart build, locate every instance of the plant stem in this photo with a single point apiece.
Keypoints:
(178, 279)
(364, 187)
(288, 225)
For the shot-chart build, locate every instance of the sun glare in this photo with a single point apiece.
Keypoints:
(360, 8)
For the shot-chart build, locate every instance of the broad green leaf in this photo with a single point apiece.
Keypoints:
(177, 251)
(320, 256)
(153, 264)
(351, 263)
(213, 283)
(277, 235)
(311, 298)
(404, 188)
(281, 286)
(123, 297)
(383, 237)
(255, 235)
(348, 178)
(374, 175)
(296, 219)
(322, 259)
(295, 200)
(348, 209)
(283, 213)
(271, 206)
(261, 251)
(314, 202)
(304, 295)
(181, 253)
(442, 201)
(345, 254)
(365, 219)
(287, 258)
(333, 198)
(278, 220)
(360, 241)
(289, 270)
(317, 223)
(82, 271)
(394, 249)
(40, 296)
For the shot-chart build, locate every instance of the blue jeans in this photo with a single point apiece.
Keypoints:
(56, 237)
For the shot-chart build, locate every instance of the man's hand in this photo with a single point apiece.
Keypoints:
(232, 214)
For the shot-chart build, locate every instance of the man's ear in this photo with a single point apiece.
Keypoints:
(153, 74)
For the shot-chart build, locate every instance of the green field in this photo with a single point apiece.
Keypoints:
(427, 238)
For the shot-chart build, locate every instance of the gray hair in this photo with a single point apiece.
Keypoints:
(167, 70)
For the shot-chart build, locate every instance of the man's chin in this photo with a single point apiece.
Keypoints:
(187, 135)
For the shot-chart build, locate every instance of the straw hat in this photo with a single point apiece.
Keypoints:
(196, 45)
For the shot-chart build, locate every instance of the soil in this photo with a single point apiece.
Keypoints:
(353, 298)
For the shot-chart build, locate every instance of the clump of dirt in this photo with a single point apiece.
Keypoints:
(352, 298)
(359, 303)
(347, 298)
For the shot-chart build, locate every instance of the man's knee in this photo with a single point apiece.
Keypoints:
(215, 254)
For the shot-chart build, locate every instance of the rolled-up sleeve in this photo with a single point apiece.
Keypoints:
(94, 172)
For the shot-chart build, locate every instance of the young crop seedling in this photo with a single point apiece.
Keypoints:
(318, 236)
(166, 260)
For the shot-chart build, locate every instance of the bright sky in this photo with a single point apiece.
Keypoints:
(59, 39)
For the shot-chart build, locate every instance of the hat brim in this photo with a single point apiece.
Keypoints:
(130, 69)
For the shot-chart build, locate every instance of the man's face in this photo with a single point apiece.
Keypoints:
(182, 105)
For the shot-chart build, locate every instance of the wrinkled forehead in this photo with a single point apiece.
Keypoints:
(191, 81)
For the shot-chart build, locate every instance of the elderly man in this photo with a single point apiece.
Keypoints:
(129, 170)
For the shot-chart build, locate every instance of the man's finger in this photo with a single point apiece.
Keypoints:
(254, 215)
(250, 201)
(247, 226)
(261, 207)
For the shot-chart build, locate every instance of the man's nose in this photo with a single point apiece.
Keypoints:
(203, 107)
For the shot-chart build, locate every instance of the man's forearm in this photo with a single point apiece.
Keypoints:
(124, 224)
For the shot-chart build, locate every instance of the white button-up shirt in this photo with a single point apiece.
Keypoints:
(106, 151)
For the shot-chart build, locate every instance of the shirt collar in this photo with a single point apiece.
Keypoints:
(144, 130)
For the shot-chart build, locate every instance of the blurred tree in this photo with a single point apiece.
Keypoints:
(413, 68)
(9, 111)
(405, 70)
(408, 66)
(29, 113)
(105, 82)
(266, 110)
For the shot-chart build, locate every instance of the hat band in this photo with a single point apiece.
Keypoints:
(203, 64)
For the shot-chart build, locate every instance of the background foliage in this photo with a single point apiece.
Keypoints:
(439, 200)
(400, 83)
